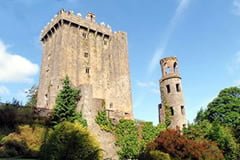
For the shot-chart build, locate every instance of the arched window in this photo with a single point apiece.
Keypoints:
(167, 70)
(175, 67)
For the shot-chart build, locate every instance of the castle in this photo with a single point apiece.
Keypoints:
(171, 94)
(94, 58)
(96, 61)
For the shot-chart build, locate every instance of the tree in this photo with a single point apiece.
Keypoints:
(150, 132)
(70, 141)
(225, 140)
(32, 96)
(225, 109)
(222, 135)
(66, 103)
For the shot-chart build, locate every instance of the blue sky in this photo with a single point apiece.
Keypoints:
(203, 34)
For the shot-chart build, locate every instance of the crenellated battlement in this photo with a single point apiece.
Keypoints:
(76, 20)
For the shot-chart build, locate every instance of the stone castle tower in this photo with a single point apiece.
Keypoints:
(171, 93)
(94, 58)
(96, 61)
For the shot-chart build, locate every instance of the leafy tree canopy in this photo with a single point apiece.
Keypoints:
(224, 109)
(222, 135)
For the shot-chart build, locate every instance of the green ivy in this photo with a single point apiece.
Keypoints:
(104, 122)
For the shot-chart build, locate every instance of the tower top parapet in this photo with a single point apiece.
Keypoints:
(169, 66)
(69, 17)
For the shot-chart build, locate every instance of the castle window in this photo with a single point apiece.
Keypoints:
(178, 87)
(167, 70)
(182, 109)
(87, 70)
(172, 111)
(168, 88)
(111, 105)
(84, 35)
(175, 67)
(85, 54)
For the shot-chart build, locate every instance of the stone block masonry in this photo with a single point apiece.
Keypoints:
(96, 61)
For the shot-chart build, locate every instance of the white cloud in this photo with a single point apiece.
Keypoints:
(181, 8)
(4, 90)
(15, 68)
(236, 7)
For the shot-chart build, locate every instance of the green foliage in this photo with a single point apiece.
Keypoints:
(180, 147)
(214, 132)
(150, 132)
(25, 142)
(104, 122)
(226, 141)
(66, 103)
(224, 114)
(12, 116)
(154, 155)
(225, 109)
(70, 141)
(32, 96)
(14, 148)
(127, 139)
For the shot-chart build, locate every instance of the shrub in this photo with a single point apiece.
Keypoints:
(154, 155)
(26, 142)
(11, 116)
(13, 148)
(179, 147)
(70, 141)
(104, 122)
(127, 139)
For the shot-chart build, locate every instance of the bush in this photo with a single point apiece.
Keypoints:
(154, 155)
(127, 139)
(26, 142)
(70, 141)
(179, 147)
(103, 121)
(13, 148)
(11, 116)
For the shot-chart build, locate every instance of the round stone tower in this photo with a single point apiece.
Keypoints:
(171, 94)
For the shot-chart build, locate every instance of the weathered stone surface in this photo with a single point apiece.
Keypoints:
(96, 61)
(171, 93)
